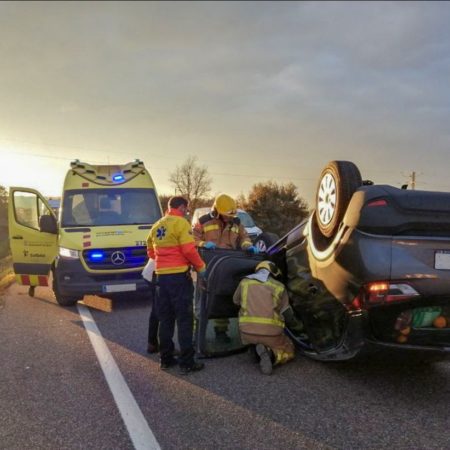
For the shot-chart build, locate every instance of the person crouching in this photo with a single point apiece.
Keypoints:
(264, 307)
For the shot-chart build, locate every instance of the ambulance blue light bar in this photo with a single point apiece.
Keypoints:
(96, 256)
(117, 178)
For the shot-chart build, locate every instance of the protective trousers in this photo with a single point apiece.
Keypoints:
(153, 322)
(174, 305)
(281, 346)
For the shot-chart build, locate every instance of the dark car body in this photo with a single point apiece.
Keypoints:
(388, 236)
(382, 278)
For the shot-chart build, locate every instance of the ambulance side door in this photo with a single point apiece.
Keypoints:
(33, 236)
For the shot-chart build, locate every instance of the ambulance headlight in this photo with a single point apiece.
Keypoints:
(69, 253)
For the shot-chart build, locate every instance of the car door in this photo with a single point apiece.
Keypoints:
(33, 236)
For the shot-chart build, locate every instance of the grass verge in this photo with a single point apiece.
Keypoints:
(6, 275)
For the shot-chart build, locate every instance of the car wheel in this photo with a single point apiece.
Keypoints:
(264, 241)
(337, 183)
(63, 300)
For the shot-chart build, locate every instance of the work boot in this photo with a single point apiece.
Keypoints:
(222, 337)
(164, 365)
(152, 347)
(265, 362)
(195, 367)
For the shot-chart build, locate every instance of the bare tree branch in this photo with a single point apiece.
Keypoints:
(191, 181)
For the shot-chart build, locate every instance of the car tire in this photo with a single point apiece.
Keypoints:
(337, 184)
(264, 241)
(63, 300)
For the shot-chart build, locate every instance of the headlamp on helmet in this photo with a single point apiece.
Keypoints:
(270, 266)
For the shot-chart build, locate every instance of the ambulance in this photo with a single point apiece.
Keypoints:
(97, 244)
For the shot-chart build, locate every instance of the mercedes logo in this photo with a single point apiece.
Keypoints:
(117, 258)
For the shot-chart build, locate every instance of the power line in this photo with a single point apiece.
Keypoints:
(412, 176)
(133, 155)
(246, 175)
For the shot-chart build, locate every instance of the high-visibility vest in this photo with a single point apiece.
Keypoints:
(230, 235)
(262, 304)
(171, 244)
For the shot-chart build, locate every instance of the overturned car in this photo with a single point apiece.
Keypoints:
(371, 265)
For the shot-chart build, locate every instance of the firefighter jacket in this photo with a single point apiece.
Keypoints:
(262, 305)
(231, 235)
(171, 244)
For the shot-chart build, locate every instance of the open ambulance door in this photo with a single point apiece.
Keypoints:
(33, 234)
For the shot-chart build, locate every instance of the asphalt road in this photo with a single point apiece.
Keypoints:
(54, 395)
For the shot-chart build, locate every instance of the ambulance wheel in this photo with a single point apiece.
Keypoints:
(63, 300)
(337, 184)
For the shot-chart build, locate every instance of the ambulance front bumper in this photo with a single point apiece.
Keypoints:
(74, 280)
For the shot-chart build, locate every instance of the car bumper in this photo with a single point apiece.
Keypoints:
(74, 280)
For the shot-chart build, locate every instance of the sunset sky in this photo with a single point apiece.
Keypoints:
(256, 90)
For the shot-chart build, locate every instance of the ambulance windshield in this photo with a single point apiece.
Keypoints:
(103, 207)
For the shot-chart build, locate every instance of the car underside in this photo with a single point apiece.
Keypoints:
(370, 265)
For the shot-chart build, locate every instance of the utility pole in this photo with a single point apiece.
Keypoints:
(412, 176)
(413, 180)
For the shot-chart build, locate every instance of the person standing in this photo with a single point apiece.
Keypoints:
(171, 244)
(264, 308)
(148, 273)
(222, 228)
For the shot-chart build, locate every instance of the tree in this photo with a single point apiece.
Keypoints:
(191, 181)
(164, 200)
(275, 208)
(4, 246)
(3, 204)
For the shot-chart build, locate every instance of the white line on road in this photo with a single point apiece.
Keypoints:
(140, 433)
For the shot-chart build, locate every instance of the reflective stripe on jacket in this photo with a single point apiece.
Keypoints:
(231, 235)
(262, 305)
(171, 244)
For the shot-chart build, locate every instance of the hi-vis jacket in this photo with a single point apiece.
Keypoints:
(231, 235)
(171, 244)
(262, 305)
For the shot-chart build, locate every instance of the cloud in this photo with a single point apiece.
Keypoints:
(274, 82)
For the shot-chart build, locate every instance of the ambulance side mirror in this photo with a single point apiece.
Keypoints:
(47, 224)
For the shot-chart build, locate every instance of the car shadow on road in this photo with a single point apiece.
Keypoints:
(411, 378)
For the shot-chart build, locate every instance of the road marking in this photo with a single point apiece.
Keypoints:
(140, 433)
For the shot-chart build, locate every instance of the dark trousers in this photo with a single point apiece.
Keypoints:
(174, 298)
(153, 322)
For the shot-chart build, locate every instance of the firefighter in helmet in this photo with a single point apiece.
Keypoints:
(264, 310)
(221, 228)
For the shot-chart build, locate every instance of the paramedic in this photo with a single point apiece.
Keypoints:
(171, 244)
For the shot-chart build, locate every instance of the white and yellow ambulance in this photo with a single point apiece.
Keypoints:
(97, 245)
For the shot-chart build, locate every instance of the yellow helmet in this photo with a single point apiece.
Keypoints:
(270, 266)
(225, 205)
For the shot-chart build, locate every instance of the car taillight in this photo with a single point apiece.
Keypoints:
(380, 202)
(382, 292)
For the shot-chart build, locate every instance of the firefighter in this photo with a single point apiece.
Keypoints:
(222, 228)
(171, 244)
(264, 309)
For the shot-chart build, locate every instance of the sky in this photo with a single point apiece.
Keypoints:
(257, 91)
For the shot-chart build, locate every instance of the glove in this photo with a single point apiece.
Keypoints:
(202, 275)
(252, 249)
(209, 245)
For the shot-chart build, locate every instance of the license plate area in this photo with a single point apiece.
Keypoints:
(119, 287)
(442, 260)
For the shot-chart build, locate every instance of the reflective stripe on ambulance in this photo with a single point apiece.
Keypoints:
(32, 280)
